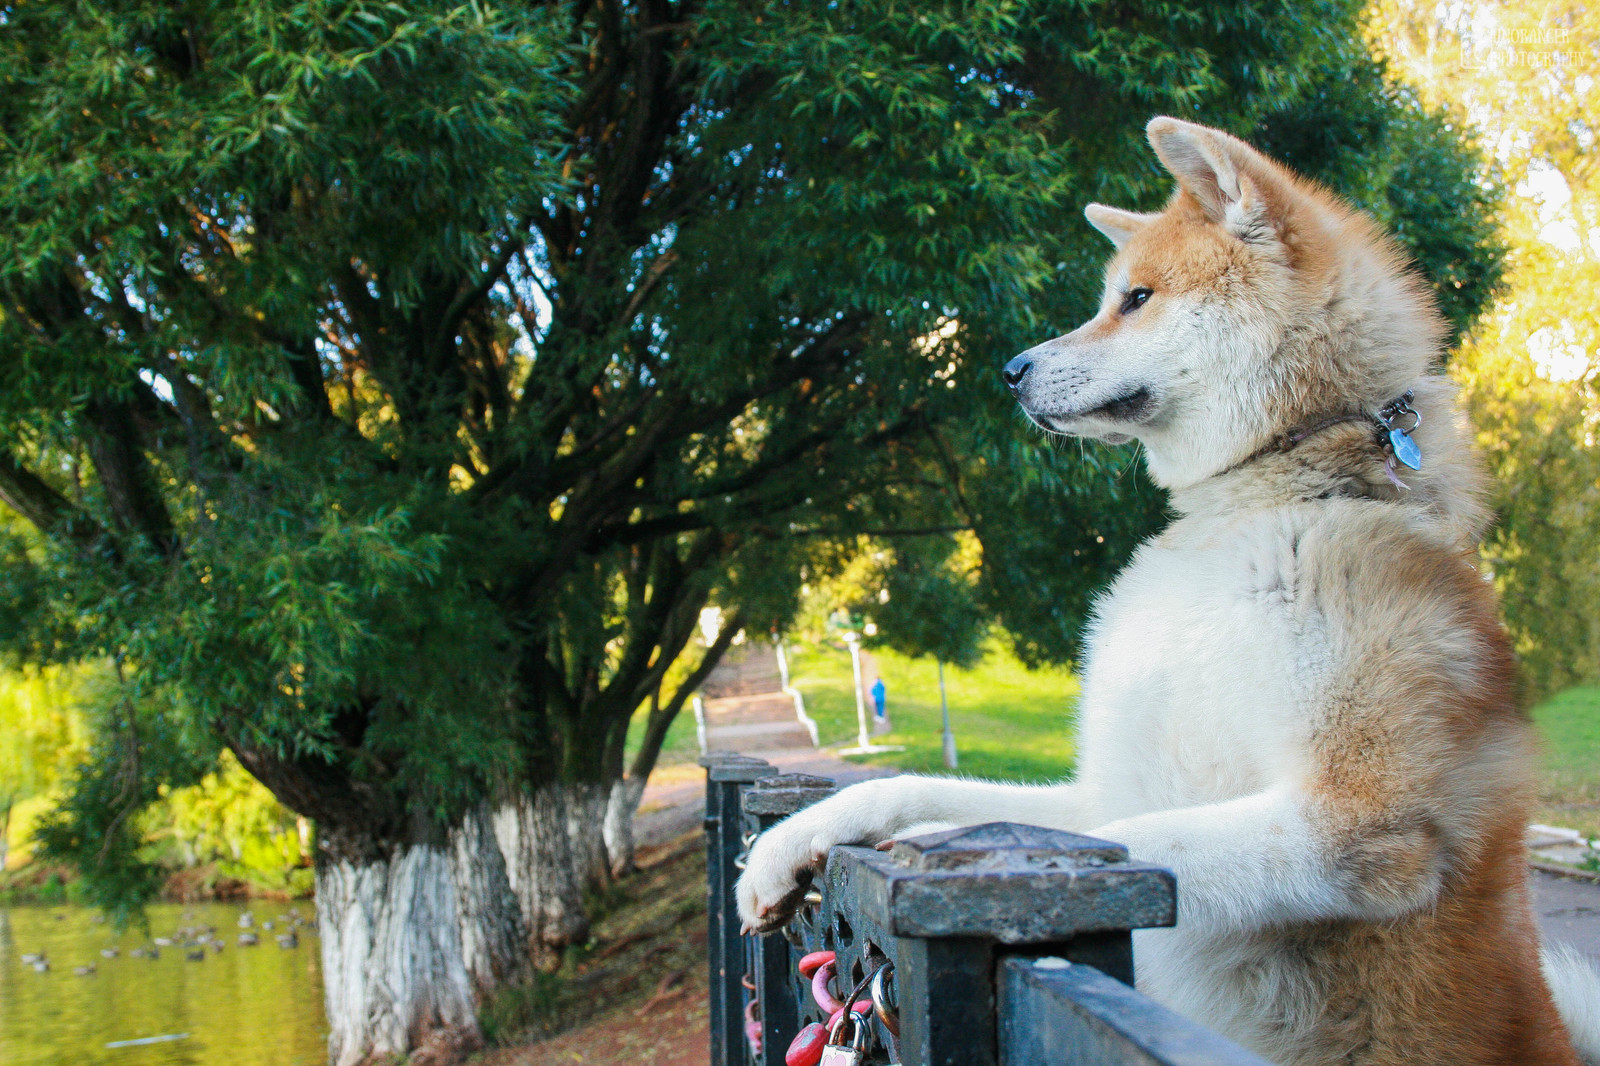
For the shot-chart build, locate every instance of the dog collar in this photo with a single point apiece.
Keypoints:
(1392, 427)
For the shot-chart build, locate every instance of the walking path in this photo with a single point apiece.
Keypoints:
(1569, 911)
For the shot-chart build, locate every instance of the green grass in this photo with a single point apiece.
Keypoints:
(1569, 770)
(681, 745)
(1009, 723)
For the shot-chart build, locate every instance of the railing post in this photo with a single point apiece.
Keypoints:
(769, 801)
(947, 908)
(726, 773)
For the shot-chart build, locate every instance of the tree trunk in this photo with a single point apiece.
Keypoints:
(586, 819)
(392, 969)
(494, 943)
(625, 793)
(532, 832)
(620, 809)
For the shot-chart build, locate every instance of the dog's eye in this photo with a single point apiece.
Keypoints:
(1134, 299)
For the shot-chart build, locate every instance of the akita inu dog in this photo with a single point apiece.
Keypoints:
(1297, 696)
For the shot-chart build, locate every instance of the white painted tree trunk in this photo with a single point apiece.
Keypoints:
(622, 805)
(392, 970)
(533, 836)
(494, 943)
(586, 819)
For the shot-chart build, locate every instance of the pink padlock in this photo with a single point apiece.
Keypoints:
(825, 997)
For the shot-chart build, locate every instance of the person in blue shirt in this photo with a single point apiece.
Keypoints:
(879, 698)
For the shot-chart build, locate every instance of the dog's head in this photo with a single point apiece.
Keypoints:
(1253, 303)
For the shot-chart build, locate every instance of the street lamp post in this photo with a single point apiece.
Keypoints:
(864, 745)
(944, 710)
(861, 703)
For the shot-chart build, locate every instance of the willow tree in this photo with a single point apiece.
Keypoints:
(387, 388)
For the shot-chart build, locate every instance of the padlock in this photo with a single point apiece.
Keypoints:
(853, 1053)
(806, 1047)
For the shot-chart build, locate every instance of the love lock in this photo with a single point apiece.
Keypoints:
(806, 1048)
(836, 1053)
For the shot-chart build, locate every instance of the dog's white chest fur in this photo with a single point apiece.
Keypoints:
(1196, 677)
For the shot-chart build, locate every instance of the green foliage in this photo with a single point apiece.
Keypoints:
(514, 1010)
(1544, 552)
(917, 595)
(1417, 169)
(931, 605)
(229, 819)
(389, 387)
(42, 730)
(138, 742)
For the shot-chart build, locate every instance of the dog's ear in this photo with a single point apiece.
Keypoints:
(1200, 158)
(1233, 184)
(1118, 225)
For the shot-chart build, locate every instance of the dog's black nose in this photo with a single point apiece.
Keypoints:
(1015, 371)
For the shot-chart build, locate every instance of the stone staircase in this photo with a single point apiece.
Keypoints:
(746, 709)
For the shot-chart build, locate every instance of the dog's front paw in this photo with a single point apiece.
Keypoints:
(782, 863)
(921, 829)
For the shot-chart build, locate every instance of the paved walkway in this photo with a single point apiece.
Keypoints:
(1569, 911)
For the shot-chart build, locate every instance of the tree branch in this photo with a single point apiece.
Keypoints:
(306, 370)
(470, 295)
(125, 474)
(660, 720)
(28, 495)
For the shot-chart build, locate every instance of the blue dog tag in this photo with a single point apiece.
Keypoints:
(1405, 449)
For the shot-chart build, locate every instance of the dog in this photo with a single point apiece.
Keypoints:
(1297, 696)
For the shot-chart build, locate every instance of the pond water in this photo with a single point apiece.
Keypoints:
(244, 1006)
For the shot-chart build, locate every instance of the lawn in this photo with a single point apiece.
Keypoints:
(1569, 765)
(682, 743)
(1010, 723)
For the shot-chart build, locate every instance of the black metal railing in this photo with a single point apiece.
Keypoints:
(996, 945)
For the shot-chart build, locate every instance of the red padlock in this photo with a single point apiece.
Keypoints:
(806, 1047)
